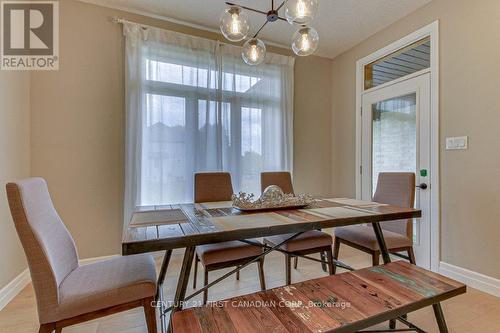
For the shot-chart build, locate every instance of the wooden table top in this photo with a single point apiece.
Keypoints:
(341, 303)
(178, 226)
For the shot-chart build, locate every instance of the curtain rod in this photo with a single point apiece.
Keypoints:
(120, 20)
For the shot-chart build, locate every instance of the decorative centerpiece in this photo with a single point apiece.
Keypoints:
(273, 197)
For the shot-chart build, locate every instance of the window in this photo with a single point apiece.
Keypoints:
(405, 61)
(194, 106)
(172, 107)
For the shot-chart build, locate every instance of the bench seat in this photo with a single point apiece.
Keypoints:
(346, 302)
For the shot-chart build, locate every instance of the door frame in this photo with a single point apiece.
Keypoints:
(432, 31)
(419, 87)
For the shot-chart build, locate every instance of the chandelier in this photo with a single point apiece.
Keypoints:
(235, 26)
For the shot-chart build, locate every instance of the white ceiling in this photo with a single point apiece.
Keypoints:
(341, 24)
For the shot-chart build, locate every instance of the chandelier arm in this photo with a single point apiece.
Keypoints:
(257, 10)
(262, 27)
(247, 8)
(281, 6)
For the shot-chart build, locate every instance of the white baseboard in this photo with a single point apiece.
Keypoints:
(14, 287)
(472, 279)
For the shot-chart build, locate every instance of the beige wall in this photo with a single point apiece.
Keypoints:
(312, 133)
(78, 124)
(14, 163)
(469, 81)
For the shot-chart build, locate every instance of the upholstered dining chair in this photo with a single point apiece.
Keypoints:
(393, 188)
(310, 242)
(68, 293)
(215, 187)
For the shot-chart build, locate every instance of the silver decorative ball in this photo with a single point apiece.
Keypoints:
(272, 192)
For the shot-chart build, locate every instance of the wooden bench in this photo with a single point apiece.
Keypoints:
(346, 302)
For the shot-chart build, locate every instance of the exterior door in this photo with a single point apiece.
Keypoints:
(396, 137)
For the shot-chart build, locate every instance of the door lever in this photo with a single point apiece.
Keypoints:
(422, 186)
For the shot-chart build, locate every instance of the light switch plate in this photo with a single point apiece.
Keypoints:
(456, 143)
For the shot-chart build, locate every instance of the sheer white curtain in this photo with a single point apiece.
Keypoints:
(194, 106)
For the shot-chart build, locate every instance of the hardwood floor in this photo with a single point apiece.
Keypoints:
(474, 311)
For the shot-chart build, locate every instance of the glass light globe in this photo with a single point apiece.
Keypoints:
(254, 51)
(305, 41)
(234, 24)
(301, 11)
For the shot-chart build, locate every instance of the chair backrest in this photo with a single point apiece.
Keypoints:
(398, 189)
(282, 179)
(48, 246)
(212, 187)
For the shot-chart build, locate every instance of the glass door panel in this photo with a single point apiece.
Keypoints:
(394, 136)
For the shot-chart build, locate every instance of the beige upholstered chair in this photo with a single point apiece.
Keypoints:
(309, 242)
(394, 188)
(68, 293)
(214, 187)
(282, 179)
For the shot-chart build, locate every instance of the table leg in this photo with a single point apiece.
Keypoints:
(199, 291)
(323, 259)
(381, 242)
(159, 287)
(438, 312)
(163, 272)
(182, 283)
(385, 255)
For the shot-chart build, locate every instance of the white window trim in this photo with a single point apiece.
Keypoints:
(432, 31)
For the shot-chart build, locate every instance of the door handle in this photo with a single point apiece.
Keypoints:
(422, 186)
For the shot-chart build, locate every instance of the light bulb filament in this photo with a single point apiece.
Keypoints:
(254, 55)
(306, 45)
(301, 9)
(235, 24)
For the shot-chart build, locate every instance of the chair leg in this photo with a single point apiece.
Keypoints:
(47, 328)
(288, 269)
(205, 293)
(262, 277)
(329, 256)
(150, 314)
(195, 270)
(375, 258)
(238, 275)
(411, 254)
(295, 262)
(336, 249)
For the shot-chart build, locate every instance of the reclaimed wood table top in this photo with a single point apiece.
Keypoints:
(346, 302)
(178, 226)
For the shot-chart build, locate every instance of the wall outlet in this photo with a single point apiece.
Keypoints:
(456, 143)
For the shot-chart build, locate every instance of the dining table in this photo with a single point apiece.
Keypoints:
(185, 226)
